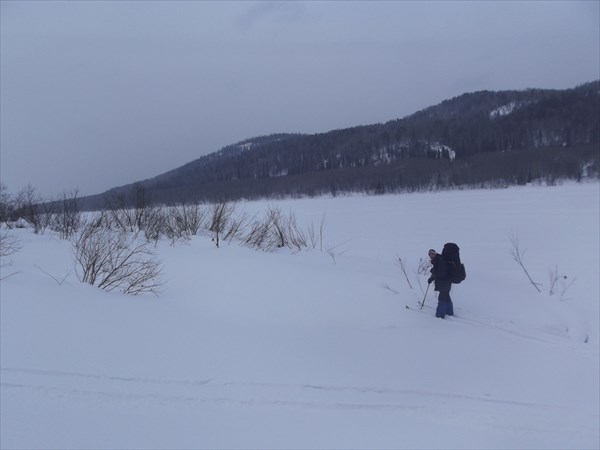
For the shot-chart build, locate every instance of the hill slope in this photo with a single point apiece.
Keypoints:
(482, 138)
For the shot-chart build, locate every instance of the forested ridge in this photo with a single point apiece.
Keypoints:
(480, 139)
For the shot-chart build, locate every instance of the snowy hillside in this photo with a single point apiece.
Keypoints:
(316, 349)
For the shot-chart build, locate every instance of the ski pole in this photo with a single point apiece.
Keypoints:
(425, 296)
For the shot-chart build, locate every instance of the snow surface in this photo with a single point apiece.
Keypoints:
(286, 349)
(441, 148)
(504, 110)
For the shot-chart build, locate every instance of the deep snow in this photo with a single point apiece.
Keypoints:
(285, 349)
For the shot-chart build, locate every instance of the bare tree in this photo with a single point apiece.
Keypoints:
(116, 260)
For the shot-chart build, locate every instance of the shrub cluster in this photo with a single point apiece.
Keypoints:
(113, 247)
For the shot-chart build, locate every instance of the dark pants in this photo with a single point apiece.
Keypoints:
(444, 307)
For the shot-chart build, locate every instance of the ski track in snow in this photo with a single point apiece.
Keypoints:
(223, 360)
(119, 388)
(561, 341)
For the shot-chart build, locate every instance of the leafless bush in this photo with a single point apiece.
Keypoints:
(270, 232)
(58, 280)
(275, 230)
(99, 219)
(316, 238)
(332, 250)
(48, 213)
(188, 218)
(237, 226)
(183, 221)
(116, 260)
(297, 237)
(7, 205)
(403, 269)
(559, 283)
(555, 279)
(266, 233)
(284, 231)
(155, 224)
(172, 230)
(278, 227)
(119, 214)
(67, 217)
(424, 266)
(142, 205)
(29, 206)
(258, 236)
(130, 211)
(9, 245)
(518, 255)
(219, 216)
(313, 240)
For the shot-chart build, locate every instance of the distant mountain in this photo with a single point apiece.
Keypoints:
(477, 139)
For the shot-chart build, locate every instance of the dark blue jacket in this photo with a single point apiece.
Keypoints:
(440, 274)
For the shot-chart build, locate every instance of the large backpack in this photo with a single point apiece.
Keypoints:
(456, 269)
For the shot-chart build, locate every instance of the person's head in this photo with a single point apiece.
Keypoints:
(432, 253)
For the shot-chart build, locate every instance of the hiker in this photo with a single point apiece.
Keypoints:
(440, 275)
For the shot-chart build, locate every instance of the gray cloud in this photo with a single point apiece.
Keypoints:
(99, 94)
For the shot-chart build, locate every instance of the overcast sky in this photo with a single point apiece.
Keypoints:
(96, 94)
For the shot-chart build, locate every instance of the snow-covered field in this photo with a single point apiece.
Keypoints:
(257, 350)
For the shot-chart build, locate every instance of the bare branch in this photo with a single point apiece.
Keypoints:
(116, 260)
(401, 264)
(220, 215)
(332, 250)
(518, 255)
(58, 281)
(9, 245)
